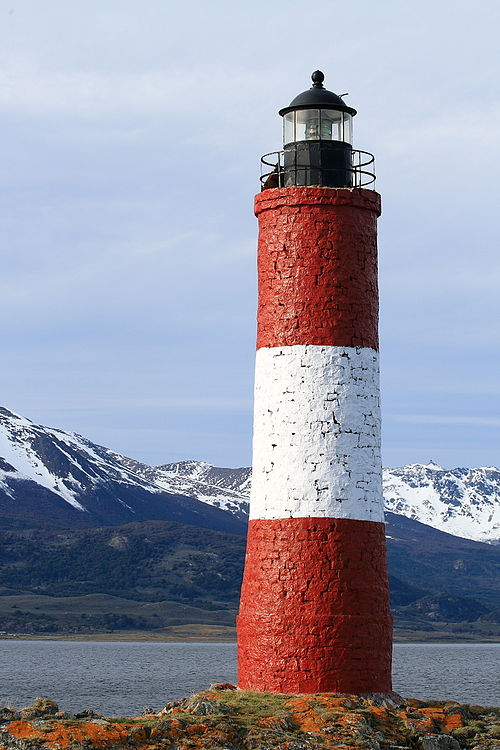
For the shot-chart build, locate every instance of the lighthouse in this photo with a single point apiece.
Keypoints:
(314, 613)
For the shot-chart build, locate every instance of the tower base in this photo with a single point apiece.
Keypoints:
(314, 613)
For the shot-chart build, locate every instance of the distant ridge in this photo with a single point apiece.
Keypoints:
(55, 478)
(464, 502)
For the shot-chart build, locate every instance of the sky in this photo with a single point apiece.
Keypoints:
(131, 139)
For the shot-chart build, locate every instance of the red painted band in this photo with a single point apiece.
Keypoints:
(317, 267)
(314, 613)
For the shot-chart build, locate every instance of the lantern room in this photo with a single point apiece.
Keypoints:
(317, 114)
(317, 138)
(317, 144)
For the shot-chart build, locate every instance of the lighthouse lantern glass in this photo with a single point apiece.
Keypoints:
(347, 125)
(331, 125)
(289, 128)
(317, 124)
(307, 125)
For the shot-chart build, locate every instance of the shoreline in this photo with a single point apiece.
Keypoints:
(222, 634)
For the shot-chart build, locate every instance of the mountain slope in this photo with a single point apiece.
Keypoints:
(437, 562)
(463, 502)
(50, 478)
(228, 489)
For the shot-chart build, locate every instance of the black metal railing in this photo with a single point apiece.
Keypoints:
(362, 171)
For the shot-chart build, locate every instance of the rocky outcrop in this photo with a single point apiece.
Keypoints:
(225, 718)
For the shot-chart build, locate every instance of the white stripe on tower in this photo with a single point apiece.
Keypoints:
(316, 449)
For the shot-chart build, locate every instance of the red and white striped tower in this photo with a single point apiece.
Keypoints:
(314, 612)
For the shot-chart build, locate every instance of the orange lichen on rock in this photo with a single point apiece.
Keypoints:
(100, 735)
(434, 718)
(452, 721)
(305, 714)
(233, 719)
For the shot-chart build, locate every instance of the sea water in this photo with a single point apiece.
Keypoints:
(123, 678)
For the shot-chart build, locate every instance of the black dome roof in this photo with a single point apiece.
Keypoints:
(317, 96)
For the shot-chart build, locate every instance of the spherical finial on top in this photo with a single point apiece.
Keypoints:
(317, 97)
(317, 78)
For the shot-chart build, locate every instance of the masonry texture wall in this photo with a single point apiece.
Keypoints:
(314, 613)
(317, 262)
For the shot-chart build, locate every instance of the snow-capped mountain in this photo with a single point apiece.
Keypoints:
(70, 479)
(463, 502)
(49, 477)
(228, 489)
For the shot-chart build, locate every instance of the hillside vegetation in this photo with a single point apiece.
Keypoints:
(156, 575)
